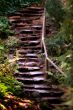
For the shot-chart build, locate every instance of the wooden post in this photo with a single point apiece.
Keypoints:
(47, 59)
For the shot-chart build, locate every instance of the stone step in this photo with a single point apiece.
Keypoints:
(29, 60)
(38, 27)
(31, 14)
(23, 40)
(31, 55)
(43, 86)
(30, 47)
(45, 93)
(29, 74)
(28, 63)
(23, 52)
(26, 31)
(29, 43)
(31, 81)
(36, 8)
(30, 11)
(52, 100)
(37, 86)
(28, 68)
(30, 38)
(14, 17)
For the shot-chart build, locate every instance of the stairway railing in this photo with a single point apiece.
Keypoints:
(47, 59)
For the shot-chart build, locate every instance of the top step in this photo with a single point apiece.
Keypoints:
(36, 8)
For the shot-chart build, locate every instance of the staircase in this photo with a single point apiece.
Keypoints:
(27, 24)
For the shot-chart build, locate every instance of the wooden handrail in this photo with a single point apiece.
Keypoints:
(44, 46)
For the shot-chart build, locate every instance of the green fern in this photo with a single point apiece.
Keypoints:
(3, 90)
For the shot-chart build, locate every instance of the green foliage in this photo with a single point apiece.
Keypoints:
(3, 23)
(55, 45)
(3, 90)
(1, 47)
(5, 32)
(10, 6)
(11, 41)
(61, 44)
(8, 84)
(7, 68)
(12, 84)
(68, 29)
(55, 10)
(3, 51)
(4, 28)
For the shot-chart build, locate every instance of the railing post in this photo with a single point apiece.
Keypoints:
(47, 66)
(47, 59)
